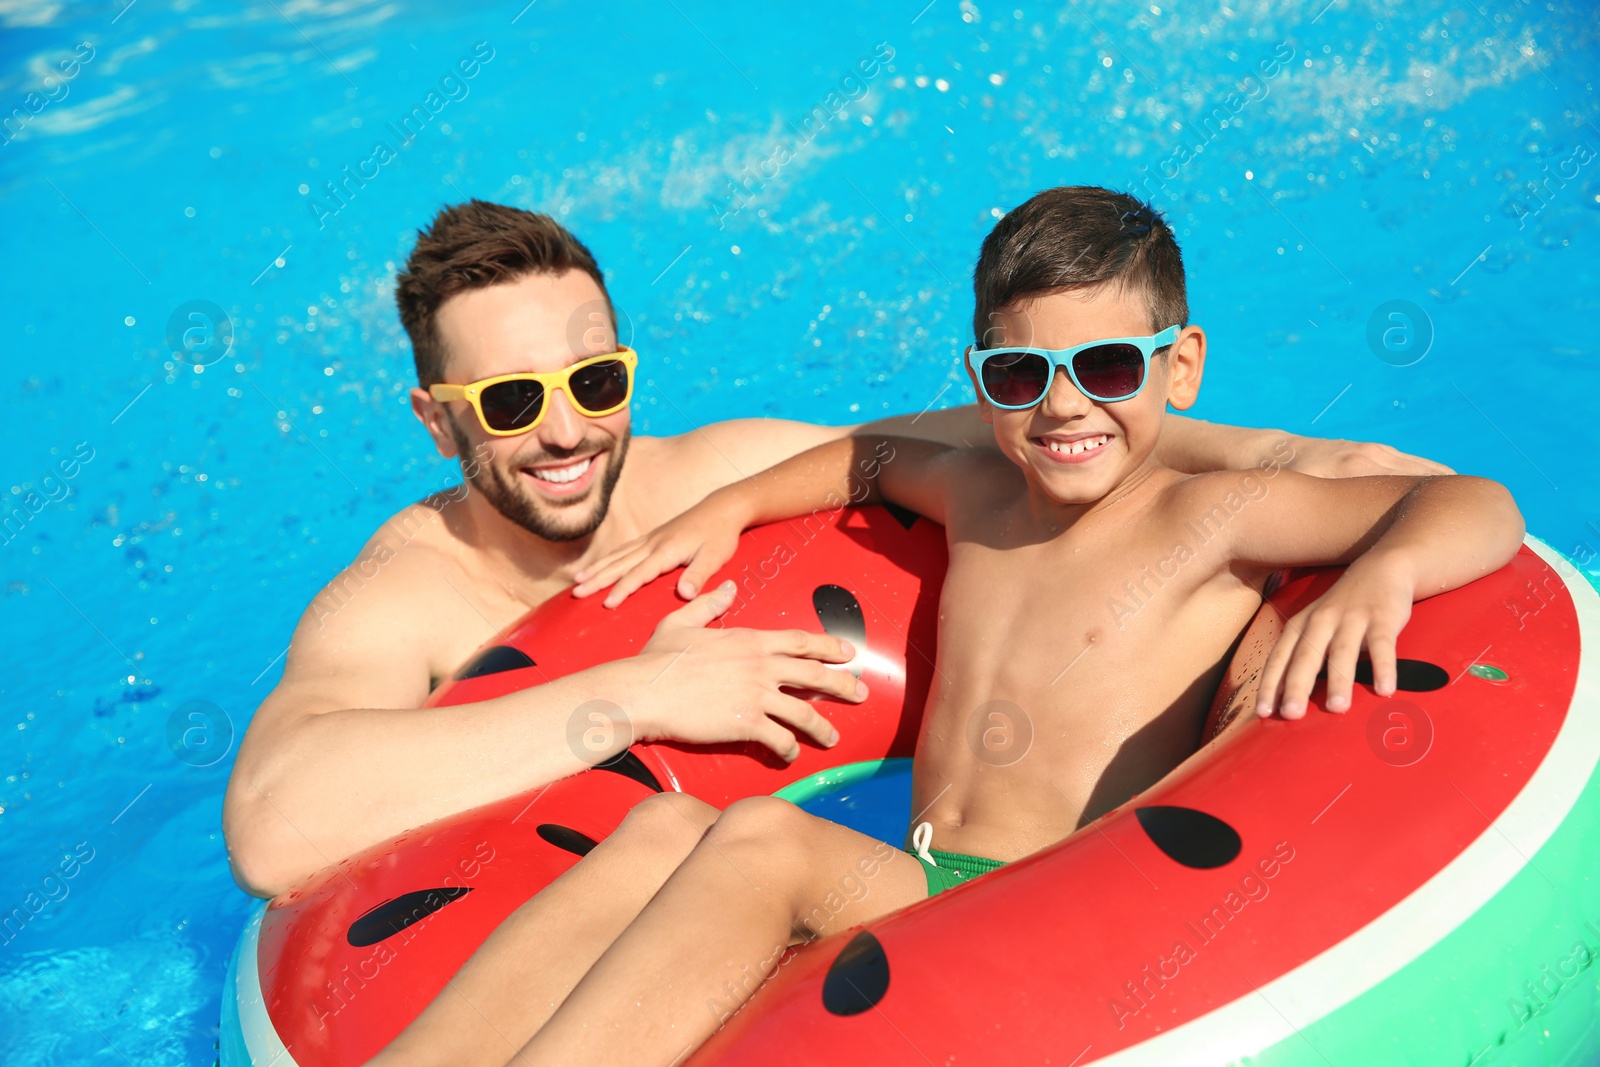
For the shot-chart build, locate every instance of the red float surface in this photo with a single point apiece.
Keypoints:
(1060, 957)
(1072, 949)
(334, 1003)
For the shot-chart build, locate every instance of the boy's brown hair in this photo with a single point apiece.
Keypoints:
(472, 246)
(1075, 237)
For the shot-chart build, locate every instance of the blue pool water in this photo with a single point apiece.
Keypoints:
(1368, 153)
(878, 805)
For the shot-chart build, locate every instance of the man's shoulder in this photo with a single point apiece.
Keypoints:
(676, 472)
(423, 525)
(406, 550)
(393, 595)
(763, 432)
(726, 451)
(658, 466)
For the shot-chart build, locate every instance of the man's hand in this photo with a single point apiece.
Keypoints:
(715, 685)
(1355, 459)
(704, 538)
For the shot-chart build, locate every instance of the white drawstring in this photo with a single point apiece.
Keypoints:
(921, 838)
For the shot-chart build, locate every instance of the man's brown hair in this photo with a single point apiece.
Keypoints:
(472, 246)
(1076, 237)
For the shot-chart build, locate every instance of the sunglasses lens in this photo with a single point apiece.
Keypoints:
(1016, 379)
(512, 405)
(600, 386)
(1110, 372)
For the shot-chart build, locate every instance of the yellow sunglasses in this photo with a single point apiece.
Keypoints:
(516, 403)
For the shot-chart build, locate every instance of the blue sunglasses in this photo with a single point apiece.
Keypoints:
(1109, 370)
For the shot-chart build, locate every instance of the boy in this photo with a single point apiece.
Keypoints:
(1082, 324)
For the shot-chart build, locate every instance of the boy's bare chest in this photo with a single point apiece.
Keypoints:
(1118, 611)
(1011, 614)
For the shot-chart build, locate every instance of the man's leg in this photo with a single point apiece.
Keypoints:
(765, 875)
(526, 968)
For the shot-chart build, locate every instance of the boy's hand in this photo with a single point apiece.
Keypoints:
(720, 685)
(704, 538)
(1369, 605)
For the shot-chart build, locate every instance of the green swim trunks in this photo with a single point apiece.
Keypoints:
(952, 868)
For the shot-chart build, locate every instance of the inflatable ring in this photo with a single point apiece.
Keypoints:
(1414, 882)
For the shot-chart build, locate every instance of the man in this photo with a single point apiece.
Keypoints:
(342, 755)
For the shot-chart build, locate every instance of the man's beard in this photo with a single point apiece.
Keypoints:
(570, 520)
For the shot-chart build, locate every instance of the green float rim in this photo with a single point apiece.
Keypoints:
(836, 778)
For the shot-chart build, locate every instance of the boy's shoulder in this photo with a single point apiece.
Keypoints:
(975, 455)
(1232, 490)
(976, 479)
(1232, 500)
(982, 467)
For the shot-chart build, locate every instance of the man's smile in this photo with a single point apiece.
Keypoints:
(565, 478)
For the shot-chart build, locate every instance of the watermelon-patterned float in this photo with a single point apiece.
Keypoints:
(1414, 882)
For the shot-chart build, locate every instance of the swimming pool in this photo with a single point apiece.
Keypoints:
(1320, 164)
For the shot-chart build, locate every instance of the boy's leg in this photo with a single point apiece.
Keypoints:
(765, 875)
(526, 968)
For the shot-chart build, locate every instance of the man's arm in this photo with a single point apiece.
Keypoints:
(738, 448)
(1195, 447)
(1404, 539)
(340, 756)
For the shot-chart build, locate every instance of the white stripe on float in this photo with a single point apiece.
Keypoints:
(1329, 981)
(261, 1038)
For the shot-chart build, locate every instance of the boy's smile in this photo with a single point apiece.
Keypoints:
(1072, 447)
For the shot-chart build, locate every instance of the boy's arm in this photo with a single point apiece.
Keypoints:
(1404, 539)
(855, 470)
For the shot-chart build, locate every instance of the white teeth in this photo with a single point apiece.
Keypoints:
(562, 475)
(1073, 448)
